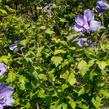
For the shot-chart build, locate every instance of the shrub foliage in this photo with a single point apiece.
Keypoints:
(52, 70)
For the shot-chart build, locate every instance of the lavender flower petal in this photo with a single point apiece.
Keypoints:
(80, 20)
(17, 42)
(92, 46)
(1, 107)
(47, 8)
(7, 91)
(78, 28)
(94, 25)
(50, 5)
(14, 46)
(81, 42)
(102, 6)
(89, 15)
(10, 101)
(5, 96)
(2, 85)
(2, 68)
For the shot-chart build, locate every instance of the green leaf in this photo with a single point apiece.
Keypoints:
(101, 64)
(48, 31)
(4, 59)
(83, 106)
(41, 93)
(63, 20)
(56, 60)
(29, 56)
(55, 104)
(11, 77)
(91, 62)
(81, 91)
(64, 86)
(92, 74)
(65, 75)
(89, 52)
(39, 50)
(97, 102)
(105, 93)
(59, 51)
(108, 62)
(3, 11)
(42, 76)
(22, 81)
(27, 105)
(35, 74)
(58, 107)
(51, 74)
(64, 64)
(72, 79)
(71, 102)
(64, 106)
(83, 67)
(43, 27)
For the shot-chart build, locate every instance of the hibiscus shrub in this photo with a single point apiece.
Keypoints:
(57, 58)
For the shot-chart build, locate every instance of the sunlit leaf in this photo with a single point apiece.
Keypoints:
(56, 60)
(101, 64)
(72, 79)
(83, 67)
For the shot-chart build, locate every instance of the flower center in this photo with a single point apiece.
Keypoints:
(85, 43)
(88, 23)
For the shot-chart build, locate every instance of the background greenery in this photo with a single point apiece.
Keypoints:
(52, 71)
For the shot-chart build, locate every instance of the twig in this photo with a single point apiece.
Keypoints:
(50, 49)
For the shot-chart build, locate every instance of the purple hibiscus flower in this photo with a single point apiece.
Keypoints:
(47, 8)
(83, 42)
(102, 6)
(86, 22)
(14, 46)
(52, 4)
(2, 68)
(5, 96)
